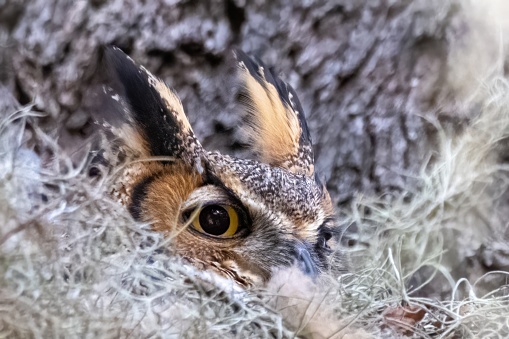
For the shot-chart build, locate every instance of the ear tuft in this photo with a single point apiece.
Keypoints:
(275, 121)
(149, 115)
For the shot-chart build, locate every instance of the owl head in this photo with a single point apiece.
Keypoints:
(242, 218)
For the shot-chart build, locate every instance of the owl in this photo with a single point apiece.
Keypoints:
(241, 218)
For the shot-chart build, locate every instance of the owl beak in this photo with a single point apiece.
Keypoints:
(305, 262)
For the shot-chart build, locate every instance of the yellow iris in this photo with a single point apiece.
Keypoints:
(217, 220)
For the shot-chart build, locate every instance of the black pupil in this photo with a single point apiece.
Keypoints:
(214, 219)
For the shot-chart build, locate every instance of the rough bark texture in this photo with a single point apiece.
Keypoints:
(366, 71)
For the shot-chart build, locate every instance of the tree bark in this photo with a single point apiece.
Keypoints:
(365, 71)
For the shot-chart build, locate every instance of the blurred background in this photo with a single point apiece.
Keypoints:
(368, 73)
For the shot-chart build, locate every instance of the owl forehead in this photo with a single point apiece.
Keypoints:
(297, 196)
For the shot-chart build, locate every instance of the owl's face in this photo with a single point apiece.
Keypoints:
(241, 218)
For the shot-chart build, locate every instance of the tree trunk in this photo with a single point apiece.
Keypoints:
(366, 71)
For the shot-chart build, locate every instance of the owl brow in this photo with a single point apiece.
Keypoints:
(327, 221)
(209, 178)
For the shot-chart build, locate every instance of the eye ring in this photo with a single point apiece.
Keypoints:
(220, 221)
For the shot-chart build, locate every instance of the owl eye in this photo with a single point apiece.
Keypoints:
(217, 220)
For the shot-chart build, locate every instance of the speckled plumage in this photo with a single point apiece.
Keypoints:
(284, 212)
